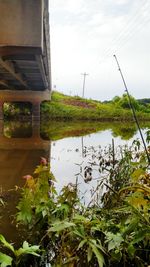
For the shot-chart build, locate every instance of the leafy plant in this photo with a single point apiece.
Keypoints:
(112, 230)
(17, 255)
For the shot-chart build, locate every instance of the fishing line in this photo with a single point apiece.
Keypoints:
(132, 108)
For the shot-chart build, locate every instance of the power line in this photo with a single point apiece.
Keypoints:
(130, 23)
(129, 30)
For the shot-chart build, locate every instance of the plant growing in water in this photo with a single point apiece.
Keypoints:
(115, 230)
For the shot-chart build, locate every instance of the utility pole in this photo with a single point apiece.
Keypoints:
(84, 76)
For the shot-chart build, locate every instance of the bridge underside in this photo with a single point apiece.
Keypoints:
(25, 74)
(23, 68)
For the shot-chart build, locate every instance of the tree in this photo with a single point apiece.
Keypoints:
(124, 102)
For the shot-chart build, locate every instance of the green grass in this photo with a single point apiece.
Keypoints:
(63, 107)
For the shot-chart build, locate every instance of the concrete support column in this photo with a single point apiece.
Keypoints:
(36, 129)
(1, 110)
(36, 119)
(36, 111)
(1, 128)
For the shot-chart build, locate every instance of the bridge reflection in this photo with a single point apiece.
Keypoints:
(19, 155)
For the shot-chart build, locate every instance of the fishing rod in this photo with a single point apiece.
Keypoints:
(132, 108)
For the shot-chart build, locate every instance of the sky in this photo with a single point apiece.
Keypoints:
(85, 34)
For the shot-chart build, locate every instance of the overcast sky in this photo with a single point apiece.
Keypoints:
(84, 36)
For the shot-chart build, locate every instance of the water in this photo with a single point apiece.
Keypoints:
(22, 144)
(68, 162)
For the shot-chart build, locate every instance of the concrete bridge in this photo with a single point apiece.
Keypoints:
(25, 73)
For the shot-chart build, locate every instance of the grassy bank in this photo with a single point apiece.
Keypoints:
(63, 107)
(74, 108)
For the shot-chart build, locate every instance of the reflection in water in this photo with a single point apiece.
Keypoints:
(17, 129)
(18, 157)
(69, 162)
(21, 147)
(125, 131)
(59, 130)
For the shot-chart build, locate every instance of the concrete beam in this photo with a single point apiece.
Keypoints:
(24, 96)
(4, 83)
(21, 23)
(42, 70)
(8, 66)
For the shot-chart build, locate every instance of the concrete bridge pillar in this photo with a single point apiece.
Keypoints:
(1, 128)
(35, 98)
(1, 110)
(36, 111)
(36, 129)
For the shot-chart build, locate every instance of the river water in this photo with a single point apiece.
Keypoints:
(64, 145)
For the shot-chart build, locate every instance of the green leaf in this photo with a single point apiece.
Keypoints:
(114, 240)
(131, 251)
(5, 260)
(90, 253)
(116, 255)
(138, 200)
(98, 254)
(137, 173)
(141, 235)
(72, 259)
(52, 177)
(6, 244)
(39, 169)
(78, 217)
(25, 207)
(25, 245)
(76, 232)
(82, 244)
(59, 226)
(44, 213)
(27, 249)
(98, 244)
(63, 208)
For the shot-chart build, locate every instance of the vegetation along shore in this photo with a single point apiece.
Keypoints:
(64, 107)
